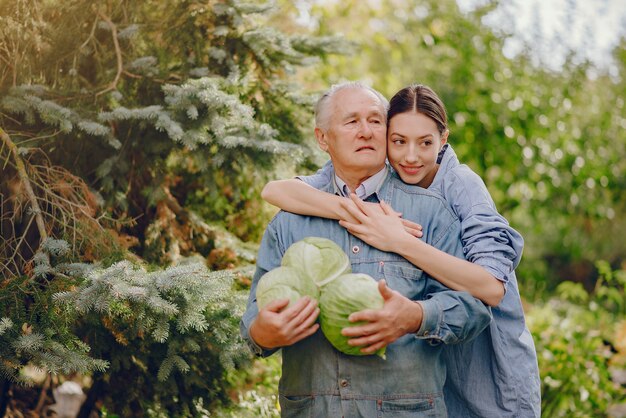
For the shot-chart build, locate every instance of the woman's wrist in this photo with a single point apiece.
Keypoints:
(409, 246)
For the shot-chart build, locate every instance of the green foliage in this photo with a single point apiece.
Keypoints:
(257, 391)
(574, 336)
(153, 125)
(152, 93)
(549, 145)
(35, 332)
(169, 335)
(133, 125)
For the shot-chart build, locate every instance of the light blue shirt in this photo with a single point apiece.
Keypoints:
(496, 375)
(319, 381)
(365, 189)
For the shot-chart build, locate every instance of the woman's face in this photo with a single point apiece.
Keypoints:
(412, 147)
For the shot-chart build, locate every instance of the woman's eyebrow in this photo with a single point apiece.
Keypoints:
(426, 136)
(393, 133)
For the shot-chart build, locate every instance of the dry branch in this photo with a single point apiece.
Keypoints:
(118, 55)
(39, 200)
(21, 171)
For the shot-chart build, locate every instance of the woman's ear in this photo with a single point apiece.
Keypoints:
(444, 138)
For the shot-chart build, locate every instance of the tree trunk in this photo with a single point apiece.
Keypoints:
(92, 397)
(5, 385)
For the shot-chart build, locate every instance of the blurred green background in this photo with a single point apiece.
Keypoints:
(136, 137)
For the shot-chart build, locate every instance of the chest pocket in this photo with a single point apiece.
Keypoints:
(410, 281)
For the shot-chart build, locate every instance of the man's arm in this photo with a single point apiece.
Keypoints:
(276, 325)
(443, 316)
(446, 316)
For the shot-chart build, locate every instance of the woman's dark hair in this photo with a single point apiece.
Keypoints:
(421, 99)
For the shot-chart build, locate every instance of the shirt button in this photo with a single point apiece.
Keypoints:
(356, 249)
(344, 383)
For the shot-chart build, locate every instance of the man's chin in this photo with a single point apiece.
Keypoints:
(372, 166)
(373, 161)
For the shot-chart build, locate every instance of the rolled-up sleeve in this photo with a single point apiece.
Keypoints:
(450, 316)
(490, 242)
(321, 178)
(488, 239)
(270, 254)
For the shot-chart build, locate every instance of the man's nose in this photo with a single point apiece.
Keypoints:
(365, 130)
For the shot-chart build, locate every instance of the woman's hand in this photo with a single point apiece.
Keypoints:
(377, 224)
(398, 317)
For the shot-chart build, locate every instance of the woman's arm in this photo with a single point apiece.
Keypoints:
(385, 232)
(298, 197)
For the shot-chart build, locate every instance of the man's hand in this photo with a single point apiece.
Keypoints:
(278, 325)
(398, 316)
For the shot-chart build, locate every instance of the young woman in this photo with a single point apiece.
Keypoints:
(495, 375)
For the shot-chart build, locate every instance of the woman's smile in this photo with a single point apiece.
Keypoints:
(410, 169)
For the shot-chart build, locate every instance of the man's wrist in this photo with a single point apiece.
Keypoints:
(255, 337)
(418, 315)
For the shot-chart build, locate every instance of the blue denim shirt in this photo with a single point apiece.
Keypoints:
(319, 381)
(495, 375)
(502, 378)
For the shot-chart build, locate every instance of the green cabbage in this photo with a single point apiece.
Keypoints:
(284, 283)
(341, 297)
(320, 259)
(317, 267)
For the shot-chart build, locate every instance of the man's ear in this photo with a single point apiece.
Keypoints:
(321, 139)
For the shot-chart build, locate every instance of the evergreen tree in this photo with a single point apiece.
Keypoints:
(138, 131)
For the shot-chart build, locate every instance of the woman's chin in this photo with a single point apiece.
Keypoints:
(410, 178)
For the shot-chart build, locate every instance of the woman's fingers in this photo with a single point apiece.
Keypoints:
(354, 229)
(411, 224)
(412, 228)
(388, 210)
(359, 204)
(353, 210)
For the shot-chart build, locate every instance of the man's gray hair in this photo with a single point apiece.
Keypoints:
(323, 109)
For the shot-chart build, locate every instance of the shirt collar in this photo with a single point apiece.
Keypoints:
(365, 189)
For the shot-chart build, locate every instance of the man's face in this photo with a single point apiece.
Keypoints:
(355, 136)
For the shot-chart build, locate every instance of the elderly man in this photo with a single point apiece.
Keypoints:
(419, 314)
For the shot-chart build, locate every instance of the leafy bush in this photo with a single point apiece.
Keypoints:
(575, 336)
